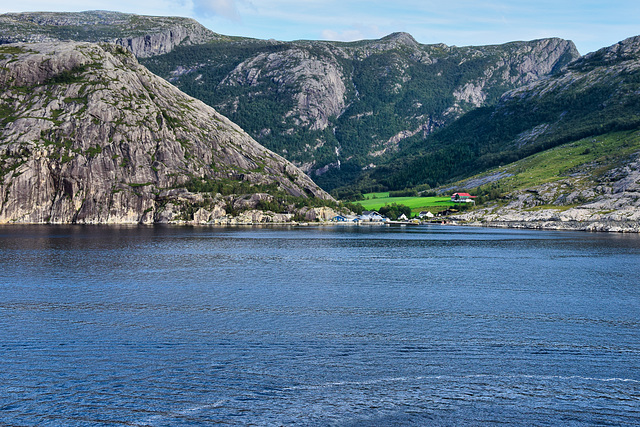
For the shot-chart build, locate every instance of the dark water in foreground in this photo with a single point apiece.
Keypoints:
(339, 326)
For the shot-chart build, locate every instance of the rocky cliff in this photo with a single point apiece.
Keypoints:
(345, 107)
(143, 35)
(88, 135)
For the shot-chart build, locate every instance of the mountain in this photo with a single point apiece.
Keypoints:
(577, 135)
(593, 95)
(334, 109)
(88, 135)
(143, 35)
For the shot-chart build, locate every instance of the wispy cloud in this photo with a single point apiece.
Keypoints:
(351, 34)
(222, 8)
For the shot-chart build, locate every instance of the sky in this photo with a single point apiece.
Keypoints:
(590, 24)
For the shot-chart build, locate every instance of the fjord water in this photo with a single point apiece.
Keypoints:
(429, 325)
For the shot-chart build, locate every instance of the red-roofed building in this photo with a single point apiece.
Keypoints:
(462, 198)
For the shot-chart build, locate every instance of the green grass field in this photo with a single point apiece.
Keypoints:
(417, 204)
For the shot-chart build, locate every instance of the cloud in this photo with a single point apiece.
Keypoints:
(345, 36)
(356, 32)
(220, 8)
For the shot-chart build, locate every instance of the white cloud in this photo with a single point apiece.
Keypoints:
(222, 8)
(345, 36)
(357, 32)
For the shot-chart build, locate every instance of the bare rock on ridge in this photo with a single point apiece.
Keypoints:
(145, 36)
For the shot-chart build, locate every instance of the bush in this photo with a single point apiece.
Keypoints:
(407, 192)
(395, 210)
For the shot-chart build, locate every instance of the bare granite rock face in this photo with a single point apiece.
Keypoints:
(317, 83)
(87, 135)
(522, 64)
(145, 36)
(164, 41)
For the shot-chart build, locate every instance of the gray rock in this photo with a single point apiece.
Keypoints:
(90, 136)
(145, 36)
(613, 204)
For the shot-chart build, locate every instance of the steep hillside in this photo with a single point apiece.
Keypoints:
(88, 135)
(594, 95)
(143, 35)
(336, 109)
(590, 184)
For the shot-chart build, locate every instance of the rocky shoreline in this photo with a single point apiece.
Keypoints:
(592, 226)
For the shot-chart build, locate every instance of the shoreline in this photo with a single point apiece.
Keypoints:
(627, 227)
(585, 226)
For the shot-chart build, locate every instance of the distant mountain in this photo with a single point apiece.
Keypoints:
(334, 109)
(88, 135)
(143, 35)
(594, 95)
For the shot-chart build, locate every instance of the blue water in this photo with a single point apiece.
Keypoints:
(174, 326)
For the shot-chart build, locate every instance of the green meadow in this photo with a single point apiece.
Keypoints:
(374, 201)
(589, 157)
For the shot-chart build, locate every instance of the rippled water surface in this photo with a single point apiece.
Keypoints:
(318, 326)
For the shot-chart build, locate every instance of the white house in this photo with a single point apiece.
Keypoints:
(371, 216)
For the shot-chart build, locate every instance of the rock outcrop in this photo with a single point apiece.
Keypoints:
(317, 83)
(145, 36)
(609, 202)
(88, 135)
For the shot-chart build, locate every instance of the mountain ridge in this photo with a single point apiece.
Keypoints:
(143, 35)
(330, 106)
(576, 139)
(335, 109)
(587, 98)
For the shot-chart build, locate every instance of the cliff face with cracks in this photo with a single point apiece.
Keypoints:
(145, 36)
(88, 135)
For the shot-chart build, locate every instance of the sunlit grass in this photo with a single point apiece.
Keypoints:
(417, 204)
(588, 157)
